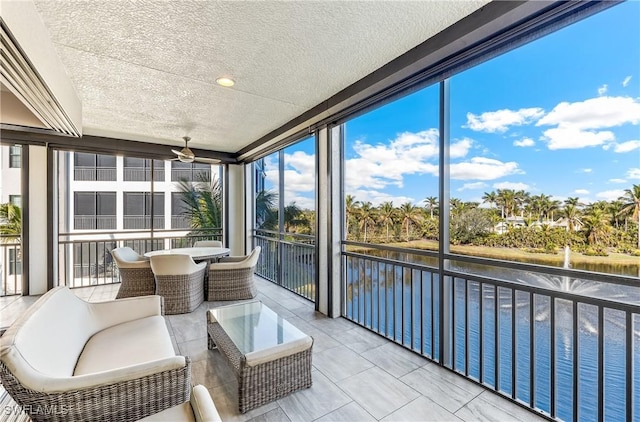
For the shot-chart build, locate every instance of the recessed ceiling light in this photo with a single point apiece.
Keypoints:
(225, 82)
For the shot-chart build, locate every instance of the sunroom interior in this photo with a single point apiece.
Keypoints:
(99, 100)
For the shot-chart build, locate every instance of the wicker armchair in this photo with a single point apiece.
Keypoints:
(180, 281)
(207, 244)
(231, 278)
(136, 277)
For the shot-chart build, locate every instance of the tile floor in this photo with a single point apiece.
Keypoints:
(357, 375)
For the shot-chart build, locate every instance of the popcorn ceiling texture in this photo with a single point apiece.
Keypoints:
(146, 70)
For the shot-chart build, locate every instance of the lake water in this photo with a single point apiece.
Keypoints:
(376, 293)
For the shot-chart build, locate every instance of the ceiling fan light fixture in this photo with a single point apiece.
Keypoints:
(226, 82)
(186, 158)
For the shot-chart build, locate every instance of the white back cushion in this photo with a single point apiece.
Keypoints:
(50, 336)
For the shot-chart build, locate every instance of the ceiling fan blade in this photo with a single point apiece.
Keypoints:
(176, 152)
(207, 160)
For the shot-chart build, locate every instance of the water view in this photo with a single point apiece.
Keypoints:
(402, 304)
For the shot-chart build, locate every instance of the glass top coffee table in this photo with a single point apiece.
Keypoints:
(270, 357)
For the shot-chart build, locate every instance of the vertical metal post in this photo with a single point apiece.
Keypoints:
(280, 216)
(443, 238)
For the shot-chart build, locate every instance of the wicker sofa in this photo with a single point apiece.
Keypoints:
(70, 360)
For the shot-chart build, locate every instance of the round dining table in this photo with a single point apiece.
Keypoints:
(197, 253)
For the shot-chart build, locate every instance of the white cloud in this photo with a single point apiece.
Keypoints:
(581, 191)
(626, 81)
(618, 180)
(473, 186)
(572, 138)
(594, 113)
(603, 89)
(511, 185)
(623, 147)
(610, 195)
(585, 170)
(633, 173)
(524, 142)
(377, 197)
(500, 120)
(482, 168)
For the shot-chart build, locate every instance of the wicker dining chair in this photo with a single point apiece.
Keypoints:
(136, 277)
(231, 278)
(180, 281)
(207, 244)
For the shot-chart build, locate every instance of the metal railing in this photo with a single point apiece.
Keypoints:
(180, 222)
(288, 260)
(94, 174)
(142, 222)
(190, 174)
(10, 265)
(559, 342)
(142, 174)
(84, 259)
(94, 222)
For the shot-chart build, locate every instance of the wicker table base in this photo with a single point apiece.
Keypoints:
(265, 382)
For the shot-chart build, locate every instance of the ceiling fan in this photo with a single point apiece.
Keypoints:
(185, 155)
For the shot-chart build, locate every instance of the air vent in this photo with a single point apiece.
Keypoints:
(19, 76)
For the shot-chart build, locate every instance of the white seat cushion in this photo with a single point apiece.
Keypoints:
(143, 340)
(181, 412)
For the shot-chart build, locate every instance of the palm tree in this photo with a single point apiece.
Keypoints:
(432, 203)
(491, 198)
(366, 215)
(350, 210)
(266, 213)
(293, 216)
(575, 201)
(202, 201)
(387, 213)
(507, 199)
(572, 214)
(408, 213)
(10, 223)
(631, 205)
(596, 226)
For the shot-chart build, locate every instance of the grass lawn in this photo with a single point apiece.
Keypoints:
(514, 254)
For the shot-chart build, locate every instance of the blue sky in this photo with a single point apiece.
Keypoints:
(559, 116)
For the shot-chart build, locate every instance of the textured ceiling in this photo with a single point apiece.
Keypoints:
(146, 70)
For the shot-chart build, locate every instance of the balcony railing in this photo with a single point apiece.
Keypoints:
(94, 174)
(84, 259)
(94, 222)
(180, 222)
(141, 174)
(288, 260)
(190, 175)
(561, 342)
(142, 222)
(10, 265)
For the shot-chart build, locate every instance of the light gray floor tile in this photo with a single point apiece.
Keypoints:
(421, 409)
(195, 349)
(492, 400)
(340, 363)
(452, 378)
(212, 371)
(359, 339)
(188, 327)
(377, 392)
(321, 341)
(351, 412)
(225, 398)
(14, 309)
(395, 359)
(312, 403)
(275, 415)
(481, 410)
(446, 394)
(333, 325)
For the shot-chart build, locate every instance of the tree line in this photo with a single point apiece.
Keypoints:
(510, 219)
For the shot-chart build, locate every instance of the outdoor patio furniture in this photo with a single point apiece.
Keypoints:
(65, 359)
(200, 408)
(207, 244)
(136, 277)
(270, 357)
(231, 278)
(180, 281)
